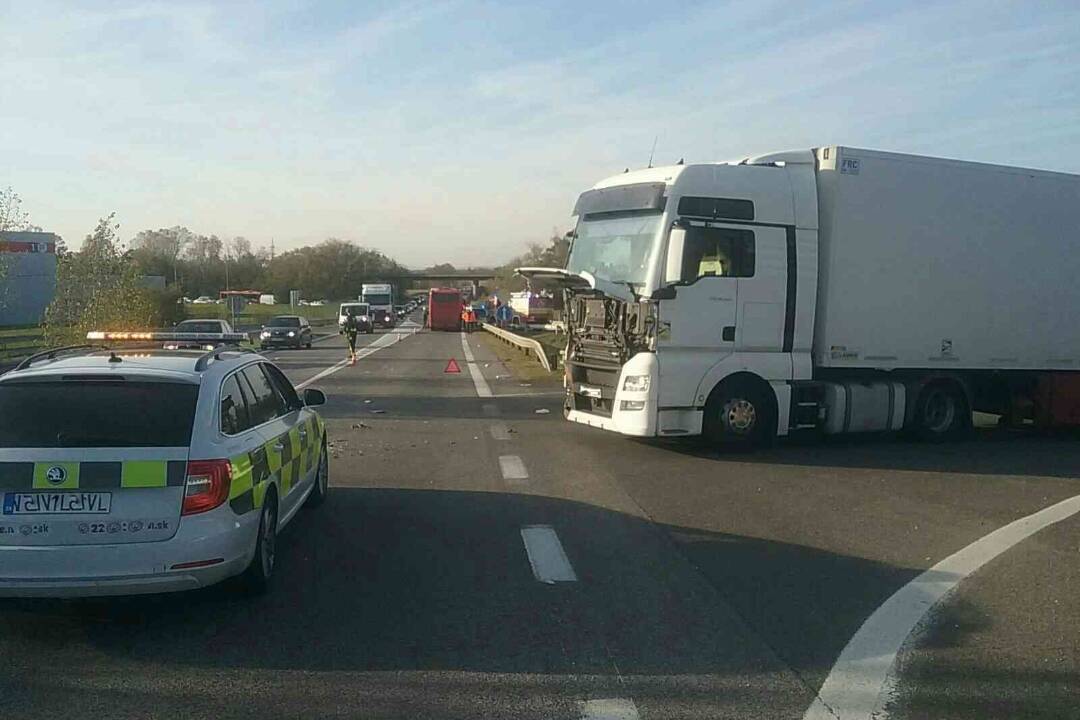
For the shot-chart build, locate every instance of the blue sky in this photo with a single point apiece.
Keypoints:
(458, 131)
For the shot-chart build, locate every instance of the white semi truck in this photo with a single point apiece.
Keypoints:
(380, 298)
(840, 289)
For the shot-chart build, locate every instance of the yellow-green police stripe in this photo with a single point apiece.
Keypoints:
(63, 475)
(252, 471)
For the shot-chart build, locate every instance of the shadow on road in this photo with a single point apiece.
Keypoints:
(986, 451)
(436, 580)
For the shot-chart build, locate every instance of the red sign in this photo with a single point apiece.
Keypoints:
(452, 367)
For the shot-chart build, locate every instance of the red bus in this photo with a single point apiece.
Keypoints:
(444, 309)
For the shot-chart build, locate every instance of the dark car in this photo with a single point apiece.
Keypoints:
(286, 331)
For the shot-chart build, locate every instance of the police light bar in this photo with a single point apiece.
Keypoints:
(184, 338)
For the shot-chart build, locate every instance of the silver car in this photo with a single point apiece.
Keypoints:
(144, 471)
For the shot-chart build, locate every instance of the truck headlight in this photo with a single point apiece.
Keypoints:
(292, 334)
(636, 383)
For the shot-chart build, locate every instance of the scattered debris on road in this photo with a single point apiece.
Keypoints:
(360, 426)
(541, 411)
(377, 412)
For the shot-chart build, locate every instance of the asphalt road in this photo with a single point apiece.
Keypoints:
(690, 584)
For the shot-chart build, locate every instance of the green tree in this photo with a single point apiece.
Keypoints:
(98, 288)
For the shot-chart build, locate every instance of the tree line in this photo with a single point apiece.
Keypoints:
(102, 284)
(206, 264)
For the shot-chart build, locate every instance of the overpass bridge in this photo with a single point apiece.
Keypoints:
(474, 278)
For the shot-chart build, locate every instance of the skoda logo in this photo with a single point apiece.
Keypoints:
(56, 475)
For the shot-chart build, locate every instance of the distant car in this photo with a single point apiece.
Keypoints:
(286, 330)
(317, 303)
(205, 326)
(362, 311)
(202, 300)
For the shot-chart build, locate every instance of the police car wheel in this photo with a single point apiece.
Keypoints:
(256, 578)
(317, 496)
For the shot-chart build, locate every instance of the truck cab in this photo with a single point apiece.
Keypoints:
(680, 278)
(380, 299)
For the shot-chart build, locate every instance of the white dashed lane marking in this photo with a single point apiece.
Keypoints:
(609, 709)
(513, 468)
(546, 555)
(482, 389)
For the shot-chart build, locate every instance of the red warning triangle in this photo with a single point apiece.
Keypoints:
(452, 367)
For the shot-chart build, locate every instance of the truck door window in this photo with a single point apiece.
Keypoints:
(717, 252)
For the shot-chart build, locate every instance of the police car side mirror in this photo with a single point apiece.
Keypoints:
(313, 397)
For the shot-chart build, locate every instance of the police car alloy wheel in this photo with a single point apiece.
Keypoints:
(256, 578)
(318, 493)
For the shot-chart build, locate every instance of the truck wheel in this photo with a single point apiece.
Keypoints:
(941, 412)
(740, 416)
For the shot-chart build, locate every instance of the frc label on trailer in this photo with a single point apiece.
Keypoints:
(849, 166)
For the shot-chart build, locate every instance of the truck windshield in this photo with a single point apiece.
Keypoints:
(377, 298)
(614, 246)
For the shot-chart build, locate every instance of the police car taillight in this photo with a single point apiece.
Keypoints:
(207, 485)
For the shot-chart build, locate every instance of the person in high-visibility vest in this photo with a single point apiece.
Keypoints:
(351, 328)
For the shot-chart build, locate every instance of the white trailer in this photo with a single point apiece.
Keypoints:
(836, 288)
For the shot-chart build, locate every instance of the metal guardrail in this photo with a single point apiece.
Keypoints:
(527, 345)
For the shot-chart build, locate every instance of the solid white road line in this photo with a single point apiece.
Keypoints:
(482, 389)
(546, 554)
(512, 467)
(609, 709)
(382, 341)
(500, 432)
(863, 682)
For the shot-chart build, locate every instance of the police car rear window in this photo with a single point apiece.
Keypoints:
(96, 414)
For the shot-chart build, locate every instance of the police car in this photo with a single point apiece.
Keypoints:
(141, 471)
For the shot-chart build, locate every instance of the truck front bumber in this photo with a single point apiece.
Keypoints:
(638, 423)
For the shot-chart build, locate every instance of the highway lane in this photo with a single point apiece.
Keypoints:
(704, 586)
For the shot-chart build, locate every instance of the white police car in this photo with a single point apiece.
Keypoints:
(141, 471)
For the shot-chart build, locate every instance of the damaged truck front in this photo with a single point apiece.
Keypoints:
(610, 320)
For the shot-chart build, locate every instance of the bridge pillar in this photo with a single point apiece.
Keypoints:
(475, 288)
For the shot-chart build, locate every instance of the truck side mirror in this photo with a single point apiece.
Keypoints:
(676, 244)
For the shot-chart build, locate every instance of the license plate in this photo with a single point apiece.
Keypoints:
(591, 392)
(75, 503)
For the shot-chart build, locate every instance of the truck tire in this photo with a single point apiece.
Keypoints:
(739, 415)
(941, 412)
